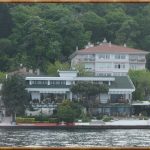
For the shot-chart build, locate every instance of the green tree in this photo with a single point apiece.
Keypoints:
(14, 95)
(81, 70)
(6, 51)
(4, 63)
(53, 68)
(6, 47)
(95, 24)
(128, 32)
(141, 81)
(6, 22)
(114, 19)
(68, 111)
(148, 61)
(73, 35)
(88, 90)
(2, 76)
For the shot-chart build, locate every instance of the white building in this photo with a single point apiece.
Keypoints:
(55, 89)
(109, 59)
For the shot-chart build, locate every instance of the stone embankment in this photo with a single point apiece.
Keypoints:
(114, 124)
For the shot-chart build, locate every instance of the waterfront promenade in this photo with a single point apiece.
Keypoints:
(129, 123)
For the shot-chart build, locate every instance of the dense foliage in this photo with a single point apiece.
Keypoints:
(87, 92)
(68, 111)
(2, 77)
(141, 80)
(37, 35)
(89, 89)
(14, 95)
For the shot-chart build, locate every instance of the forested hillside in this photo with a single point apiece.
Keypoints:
(37, 35)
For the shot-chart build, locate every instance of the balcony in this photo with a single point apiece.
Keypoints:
(120, 101)
(89, 59)
(132, 60)
(142, 60)
(138, 60)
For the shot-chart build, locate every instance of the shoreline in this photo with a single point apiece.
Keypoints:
(75, 127)
(96, 124)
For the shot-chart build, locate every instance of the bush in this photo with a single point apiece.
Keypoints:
(146, 118)
(106, 118)
(53, 120)
(144, 113)
(100, 117)
(67, 111)
(24, 120)
(41, 118)
(86, 119)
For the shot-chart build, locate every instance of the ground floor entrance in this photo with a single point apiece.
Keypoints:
(113, 110)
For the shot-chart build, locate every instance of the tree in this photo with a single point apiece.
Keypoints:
(88, 90)
(141, 81)
(6, 47)
(2, 77)
(95, 24)
(68, 111)
(128, 32)
(81, 70)
(14, 95)
(53, 68)
(6, 22)
(114, 19)
(148, 61)
(73, 34)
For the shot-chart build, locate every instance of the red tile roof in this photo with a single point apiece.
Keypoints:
(108, 48)
(111, 48)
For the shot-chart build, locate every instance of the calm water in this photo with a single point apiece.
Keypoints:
(86, 138)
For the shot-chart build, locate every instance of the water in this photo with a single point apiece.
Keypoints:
(66, 138)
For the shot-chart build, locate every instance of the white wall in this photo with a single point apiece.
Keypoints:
(107, 64)
(35, 95)
(104, 98)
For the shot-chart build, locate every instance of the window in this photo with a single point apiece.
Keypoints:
(122, 56)
(89, 66)
(107, 56)
(39, 82)
(101, 56)
(104, 56)
(133, 66)
(133, 57)
(57, 82)
(119, 66)
(104, 65)
(118, 56)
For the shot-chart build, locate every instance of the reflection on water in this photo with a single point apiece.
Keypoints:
(82, 137)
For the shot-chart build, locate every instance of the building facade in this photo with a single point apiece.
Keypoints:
(55, 89)
(109, 59)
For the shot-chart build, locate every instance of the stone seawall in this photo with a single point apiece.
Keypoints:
(76, 127)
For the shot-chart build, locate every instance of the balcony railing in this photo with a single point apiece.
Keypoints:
(123, 101)
(137, 60)
(44, 105)
(89, 59)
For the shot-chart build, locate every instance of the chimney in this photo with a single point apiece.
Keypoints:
(125, 45)
(31, 71)
(104, 41)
